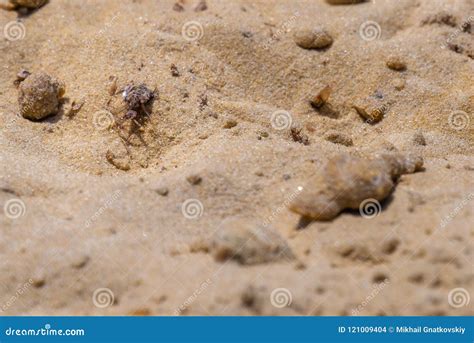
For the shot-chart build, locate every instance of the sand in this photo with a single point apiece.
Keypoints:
(92, 237)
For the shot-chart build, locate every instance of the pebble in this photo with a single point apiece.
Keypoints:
(345, 181)
(322, 97)
(194, 179)
(21, 76)
(371, 109)
(163, 191)
(297, 134)
(229, 124)
(399, 84)
(39, 96)
(419, 139)
(112, 86)
(201, 6)
(80, 261)
(118, 162)
(38, 281)
(344, 2)
(178, 6)
(28, 3)
(396, 63)
(338, 138)
(316, 38)
(247, 242)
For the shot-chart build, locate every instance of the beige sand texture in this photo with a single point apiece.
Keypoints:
(143, 235)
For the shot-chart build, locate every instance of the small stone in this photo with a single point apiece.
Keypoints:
(118, 162)
(389, 246)
(262, 134)
(298, 136)
(338, 138)
(229, 124)
(201, 6)
(39, 96)
(371, 109)
(419, 139)
(74, 108)
(396, 63)
(244, 240)
(316, 38)
(322, 97)
(21, 76)
(399, 84)
(178, 6)
(194, 179)
(32, 4)
(80, 261)
(174, 70)
(344, 2)
(163, 191)
(38, 281)
(346, 181)
(112, 87)
(141, 312)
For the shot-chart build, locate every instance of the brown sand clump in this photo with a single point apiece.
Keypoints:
(248, 242)
(346, 181)
(27, 4)
(316, 38)
(39, 96)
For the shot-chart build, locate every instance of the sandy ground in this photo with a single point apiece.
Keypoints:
(78, 236)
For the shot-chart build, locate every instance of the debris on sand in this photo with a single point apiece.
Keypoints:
(346, 181)
(174, 70)
(344, 2)
(74, 108)
(396, 63)
(398, 84)
(136, 98)
(371, 109)
(118, 163)
(201, 6)
(298, 135)
(245, 241)
(338, 138)
(322, 97)
(229, 124)
(194, 179)
(316, 38)
(39, 96)
(162, 190)
(178, 6)
(29, 4)
(419, 139)
(21, 76)
(112, 86)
